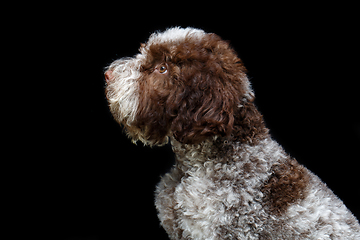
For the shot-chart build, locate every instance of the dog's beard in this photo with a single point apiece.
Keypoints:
(122, 91)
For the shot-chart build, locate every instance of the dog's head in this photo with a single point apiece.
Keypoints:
(184, 82)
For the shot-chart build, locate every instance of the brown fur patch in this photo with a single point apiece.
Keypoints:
(285, 186)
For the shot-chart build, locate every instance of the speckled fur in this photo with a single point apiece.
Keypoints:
(231, 180)
(205, 197)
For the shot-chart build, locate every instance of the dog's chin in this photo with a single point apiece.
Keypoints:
(135, 133)
(139, 135)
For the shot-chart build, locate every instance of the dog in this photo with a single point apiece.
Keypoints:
(231, 180)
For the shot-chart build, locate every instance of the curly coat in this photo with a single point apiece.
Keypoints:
(201, 96)
(230, 180)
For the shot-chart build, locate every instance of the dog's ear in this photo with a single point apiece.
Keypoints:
(214, 85)
(205, 112)
(153, 121)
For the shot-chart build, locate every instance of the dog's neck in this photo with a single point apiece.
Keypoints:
(248, 131)
(193, 154)
(213, 150)
(194, 157)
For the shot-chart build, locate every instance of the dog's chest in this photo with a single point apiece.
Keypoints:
(212, 200)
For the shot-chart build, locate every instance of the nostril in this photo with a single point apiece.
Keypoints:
(108, 76)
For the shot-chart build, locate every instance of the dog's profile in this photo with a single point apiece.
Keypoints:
(231, 180)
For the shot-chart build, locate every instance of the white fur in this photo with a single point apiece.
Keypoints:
(175, 34)
(124, 96)
(203, 203)
(249, 94)
(321, 205)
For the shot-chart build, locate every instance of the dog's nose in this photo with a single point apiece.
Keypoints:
(108, 76)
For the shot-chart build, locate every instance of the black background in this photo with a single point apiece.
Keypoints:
(76, 176)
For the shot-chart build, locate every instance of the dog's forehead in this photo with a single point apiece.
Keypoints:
(169, 39)
(175, 34)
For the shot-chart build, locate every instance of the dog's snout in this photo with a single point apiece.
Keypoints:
(108, 76)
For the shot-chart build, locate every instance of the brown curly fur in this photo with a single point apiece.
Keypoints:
(201, 96)
(285, 186)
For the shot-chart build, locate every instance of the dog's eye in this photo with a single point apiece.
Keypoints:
(162, 69)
